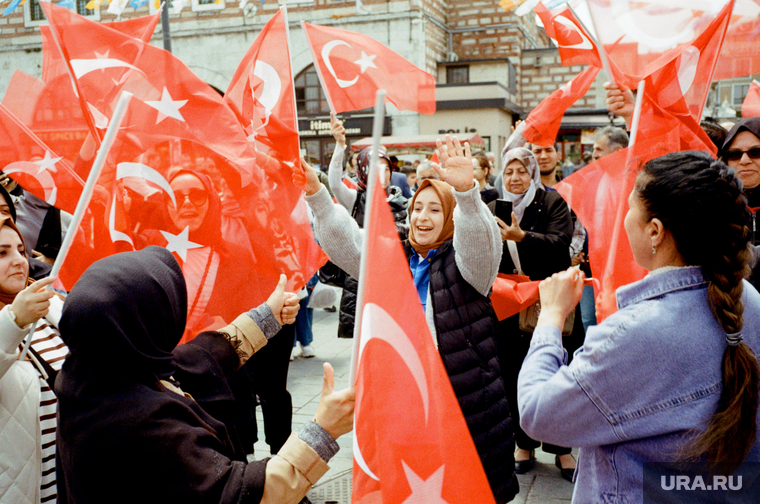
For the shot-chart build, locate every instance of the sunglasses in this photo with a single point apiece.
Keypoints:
(197, 197)
(736, 155)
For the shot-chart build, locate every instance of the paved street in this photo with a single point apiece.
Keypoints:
(543, 485)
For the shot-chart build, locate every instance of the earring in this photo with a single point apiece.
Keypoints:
(654, 250)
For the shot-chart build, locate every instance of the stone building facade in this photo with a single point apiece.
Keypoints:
(492, 67)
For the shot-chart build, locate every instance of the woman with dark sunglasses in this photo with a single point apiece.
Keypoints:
(741, 151)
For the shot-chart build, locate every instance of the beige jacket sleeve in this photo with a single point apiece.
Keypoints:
(292, 472)
(250, 336)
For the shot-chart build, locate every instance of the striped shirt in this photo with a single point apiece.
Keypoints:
(49, 345)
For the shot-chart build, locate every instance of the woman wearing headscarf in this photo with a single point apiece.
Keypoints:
(741, 151)
(27, 402)
(134, 421)
(453, 251)
(536, 243)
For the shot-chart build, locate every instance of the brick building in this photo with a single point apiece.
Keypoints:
(492, 66)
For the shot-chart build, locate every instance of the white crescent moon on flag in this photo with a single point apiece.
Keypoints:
(687, 68)
(326, 49)
(42, 176)
(629, 23)
(84, 66)
(145, 172)
(585, 44)
(115, 234)
(375, 317)
(270, 93)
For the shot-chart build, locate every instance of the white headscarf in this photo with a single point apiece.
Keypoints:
(521, 201)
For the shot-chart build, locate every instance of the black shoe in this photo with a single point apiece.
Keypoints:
(567, 474)
(523, 466)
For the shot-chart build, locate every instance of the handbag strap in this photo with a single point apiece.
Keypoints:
(512, 246)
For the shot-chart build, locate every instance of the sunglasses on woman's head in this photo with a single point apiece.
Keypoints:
(736, 154)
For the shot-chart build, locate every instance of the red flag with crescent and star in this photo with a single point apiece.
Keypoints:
(543, 122)
(34, 165)
(353, 66)
(243, 237)
(411, 442)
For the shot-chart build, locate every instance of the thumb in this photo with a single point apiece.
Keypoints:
(281, 284)
(328, 383)
(514, 219)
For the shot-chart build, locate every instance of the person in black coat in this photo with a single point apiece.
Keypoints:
(536, 243)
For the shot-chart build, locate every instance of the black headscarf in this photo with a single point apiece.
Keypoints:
(9, 201)
(751, 124)
(126, 314)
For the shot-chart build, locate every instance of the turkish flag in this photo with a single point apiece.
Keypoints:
(353, 66)
(575, 46)
(543, 122)
(751, 104)
(739, 56)
(262, 96)
(30, 162)
(176, 121)
(411, 443)
(598, 194)
(511, 294)
(682, 83)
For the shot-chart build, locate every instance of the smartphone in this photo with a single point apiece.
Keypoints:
(504, 211)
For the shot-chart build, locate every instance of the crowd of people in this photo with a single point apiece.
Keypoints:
(165, 368)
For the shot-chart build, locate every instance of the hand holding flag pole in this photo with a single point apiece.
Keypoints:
(374, 178)
(84, 200)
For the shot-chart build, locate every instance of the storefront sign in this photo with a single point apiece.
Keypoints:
(355, 126)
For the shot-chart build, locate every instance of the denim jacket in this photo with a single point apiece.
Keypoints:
(645, 377)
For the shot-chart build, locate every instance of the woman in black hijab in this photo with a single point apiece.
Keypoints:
(134, 421)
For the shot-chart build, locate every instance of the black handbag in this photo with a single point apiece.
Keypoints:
(330, 274)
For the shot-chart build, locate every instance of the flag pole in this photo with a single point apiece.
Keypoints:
(84, 199)
(636, 114)
(373, 180)
(317, 67)
(599, 46)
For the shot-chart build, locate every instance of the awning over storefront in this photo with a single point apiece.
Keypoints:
(417, 144)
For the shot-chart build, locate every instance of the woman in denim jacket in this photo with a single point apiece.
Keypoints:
(673, 375)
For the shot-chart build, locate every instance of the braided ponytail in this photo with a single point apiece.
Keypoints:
(688, 192)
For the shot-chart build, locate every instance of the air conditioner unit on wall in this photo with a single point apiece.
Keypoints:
(452, 56)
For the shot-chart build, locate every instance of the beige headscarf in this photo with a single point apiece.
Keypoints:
(446, 195)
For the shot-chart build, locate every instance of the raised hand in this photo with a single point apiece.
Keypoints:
(335, 412)
(307, 178)
(32, 303)
(620, 102)
(456, 164)
(284, 305)
(338, 131)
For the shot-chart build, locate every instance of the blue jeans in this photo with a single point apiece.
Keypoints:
(588, 309)
(303, 324)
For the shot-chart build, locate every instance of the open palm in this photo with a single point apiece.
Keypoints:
(456, 162)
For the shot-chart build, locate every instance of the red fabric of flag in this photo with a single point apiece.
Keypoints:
(543, 122)
(575, 46)
(599, 196)
(353, 66)
(31, 163)
(175, 121)
(411, 443)
(751, 104)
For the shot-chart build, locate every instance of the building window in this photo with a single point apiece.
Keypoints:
(203, 5)
(459, 74)
(33, 15)
(740, 93)
(511, 78)
(310, 99)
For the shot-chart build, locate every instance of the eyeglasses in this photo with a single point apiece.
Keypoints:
(197, 197)
(736, 154)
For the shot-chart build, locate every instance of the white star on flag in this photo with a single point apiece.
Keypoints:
(366, 62)
(424, 491)
(102, 56)
(167, 107)
(180, 243)
(48, 163)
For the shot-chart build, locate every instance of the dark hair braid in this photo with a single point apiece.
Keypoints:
(690, 192)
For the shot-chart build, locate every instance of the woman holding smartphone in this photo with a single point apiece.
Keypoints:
(536, 240)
